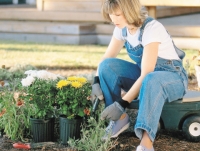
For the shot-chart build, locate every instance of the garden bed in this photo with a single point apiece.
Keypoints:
(166, 140)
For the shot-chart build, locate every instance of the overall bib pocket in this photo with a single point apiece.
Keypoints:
(134, 53)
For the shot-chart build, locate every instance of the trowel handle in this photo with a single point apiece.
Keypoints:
(95, 105)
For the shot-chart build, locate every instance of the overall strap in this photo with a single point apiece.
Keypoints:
(181, 54)
(147, 20)
(124, 32)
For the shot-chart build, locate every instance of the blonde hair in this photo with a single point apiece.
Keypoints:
(131, 9)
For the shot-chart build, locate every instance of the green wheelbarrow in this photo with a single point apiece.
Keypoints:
(182, 114)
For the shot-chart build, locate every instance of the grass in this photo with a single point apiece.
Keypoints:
(60, 56)
(52, 55)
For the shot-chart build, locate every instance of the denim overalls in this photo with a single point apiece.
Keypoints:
(167, 83)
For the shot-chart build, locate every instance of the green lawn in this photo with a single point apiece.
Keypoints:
(51, 55)
(59, 56)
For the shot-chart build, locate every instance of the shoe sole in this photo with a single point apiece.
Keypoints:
(121, 130)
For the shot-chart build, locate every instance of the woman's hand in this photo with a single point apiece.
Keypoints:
(96, 90)
(114, 111)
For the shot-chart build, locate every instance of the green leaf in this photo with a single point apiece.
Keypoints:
(74, 105)
(81, 113)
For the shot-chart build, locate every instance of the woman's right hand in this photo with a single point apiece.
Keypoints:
(96, 89)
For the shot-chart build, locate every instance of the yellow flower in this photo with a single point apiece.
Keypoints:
(62, 83)
(72, 78)
(82, 80)
(76, 84)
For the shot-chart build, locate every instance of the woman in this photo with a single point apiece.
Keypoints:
(156, 77)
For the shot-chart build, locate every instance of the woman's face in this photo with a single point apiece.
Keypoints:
(118, 19)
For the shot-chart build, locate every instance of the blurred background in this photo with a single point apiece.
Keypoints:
(80, 21)
(72, 34)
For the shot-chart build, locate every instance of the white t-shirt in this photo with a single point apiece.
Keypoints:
(154, 31)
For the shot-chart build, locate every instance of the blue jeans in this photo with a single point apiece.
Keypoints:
(167, 83)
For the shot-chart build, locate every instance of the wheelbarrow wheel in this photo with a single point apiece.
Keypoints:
(191, 128)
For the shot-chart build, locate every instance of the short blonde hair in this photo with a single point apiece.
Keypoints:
(132, 10)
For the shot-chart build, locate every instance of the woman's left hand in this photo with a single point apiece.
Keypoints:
(114, 111)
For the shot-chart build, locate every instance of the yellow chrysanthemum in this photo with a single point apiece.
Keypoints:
(76, 84)
(72, 78)
(62, 83)
(82, 80)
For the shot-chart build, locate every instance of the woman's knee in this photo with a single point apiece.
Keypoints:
(150, 79)
(106, 64)
(151, 84)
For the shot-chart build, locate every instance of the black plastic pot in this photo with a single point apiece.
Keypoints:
(69, 128)
(5, 1)
(42, 129)
(1, 133)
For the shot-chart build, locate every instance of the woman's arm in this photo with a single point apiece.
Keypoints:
(150, 54)
(113, 49)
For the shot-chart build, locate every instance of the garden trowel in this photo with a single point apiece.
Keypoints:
(95, 105)
(31, 145)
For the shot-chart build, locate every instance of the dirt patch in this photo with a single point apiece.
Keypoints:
(127, 141)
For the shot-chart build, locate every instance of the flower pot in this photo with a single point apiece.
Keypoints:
(1, 133)
(15, 1)
(69, 128)
(42, 129)
(31, 2)
(5, 2)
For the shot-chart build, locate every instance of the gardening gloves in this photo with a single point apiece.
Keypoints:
(114, 111)
(96, 90)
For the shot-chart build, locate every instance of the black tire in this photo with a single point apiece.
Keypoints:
(191, 128)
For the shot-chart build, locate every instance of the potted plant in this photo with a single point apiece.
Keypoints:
(73, 100)
(12, 110)
(15, 1)
(39, 89)
(31, 2)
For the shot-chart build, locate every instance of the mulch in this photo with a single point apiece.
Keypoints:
(127, 141)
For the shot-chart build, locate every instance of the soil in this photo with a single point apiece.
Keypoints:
(127, 141)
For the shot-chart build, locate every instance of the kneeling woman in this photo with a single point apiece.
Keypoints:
(156, 76)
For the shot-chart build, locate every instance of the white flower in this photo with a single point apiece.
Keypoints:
(27, 81)
(32, 73)
(42, 74)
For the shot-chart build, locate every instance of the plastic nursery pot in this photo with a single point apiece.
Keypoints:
(69, 128)
(42, 129)
(1, 133)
